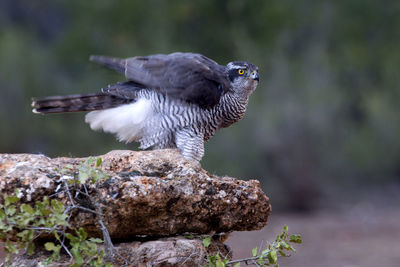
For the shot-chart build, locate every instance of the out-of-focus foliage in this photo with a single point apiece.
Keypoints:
(326, 113)
(282, 246)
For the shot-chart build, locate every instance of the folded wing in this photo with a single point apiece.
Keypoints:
(187, 76)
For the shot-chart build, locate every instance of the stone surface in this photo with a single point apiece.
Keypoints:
(153, 193)
(177, 251)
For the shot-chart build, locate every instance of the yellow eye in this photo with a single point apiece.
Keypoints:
(241, 71)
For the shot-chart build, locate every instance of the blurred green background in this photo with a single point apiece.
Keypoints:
(324, 120)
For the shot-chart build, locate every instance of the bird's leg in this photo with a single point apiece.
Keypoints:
(190, 144)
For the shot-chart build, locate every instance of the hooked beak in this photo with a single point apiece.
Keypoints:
(254, 76)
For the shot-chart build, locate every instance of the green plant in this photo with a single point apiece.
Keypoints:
(22, 224)
(282, 246)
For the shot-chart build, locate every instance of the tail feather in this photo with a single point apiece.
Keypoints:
(117, 64)
(76, 103)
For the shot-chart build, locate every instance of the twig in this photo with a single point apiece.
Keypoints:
(69, 194)
(87, 210)
(110, 249)
(187, 258)
(107, 240)
(245, 260)
(57, 193)
(49, 229)
(73, 206)
(86, 191)
(65, 248)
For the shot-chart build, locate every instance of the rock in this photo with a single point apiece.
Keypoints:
(153, 193)
(164, 252)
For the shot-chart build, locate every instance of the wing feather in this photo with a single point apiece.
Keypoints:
(187, 76)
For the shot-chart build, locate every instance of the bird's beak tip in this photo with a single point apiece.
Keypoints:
(256, 77)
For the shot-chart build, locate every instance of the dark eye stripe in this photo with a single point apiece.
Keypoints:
(234, 73)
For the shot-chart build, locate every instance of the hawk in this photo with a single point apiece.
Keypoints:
(177, 100)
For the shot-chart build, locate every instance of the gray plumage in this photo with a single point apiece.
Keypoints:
(169, 101)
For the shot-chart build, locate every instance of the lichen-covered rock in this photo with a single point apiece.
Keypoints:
(154, 193)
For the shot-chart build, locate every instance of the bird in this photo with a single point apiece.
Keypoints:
(176, 100)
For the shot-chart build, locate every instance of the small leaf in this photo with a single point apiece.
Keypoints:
(72, 238)
(207, 241)
(284, 233)
(31, 248)
(295, 239)
(30, 234)
(56, 235)
(60, 219)
(26, 208)
(82, 233)
(77, 255)
(92, 249)
(82, 177)
(285, 245)
(265, 252)
(25, 235)
(49, 246)
(11, 210)
(45, 212)
(99, 161)
(10, 247)
(254, 251)
(219, 262)
(11, 200)
(96, 240)
(45, 201)
(89, 161)
(57, 206)
(282, 253)
(211, 260)
(2, 214)
(272, 257)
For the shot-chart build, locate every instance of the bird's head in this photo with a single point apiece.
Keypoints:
(243, 76)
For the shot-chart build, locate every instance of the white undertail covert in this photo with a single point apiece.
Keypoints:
(126, 121)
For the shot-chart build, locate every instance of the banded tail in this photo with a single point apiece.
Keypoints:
(77, 103)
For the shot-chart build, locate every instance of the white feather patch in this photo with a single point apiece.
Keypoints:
(127, 121)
